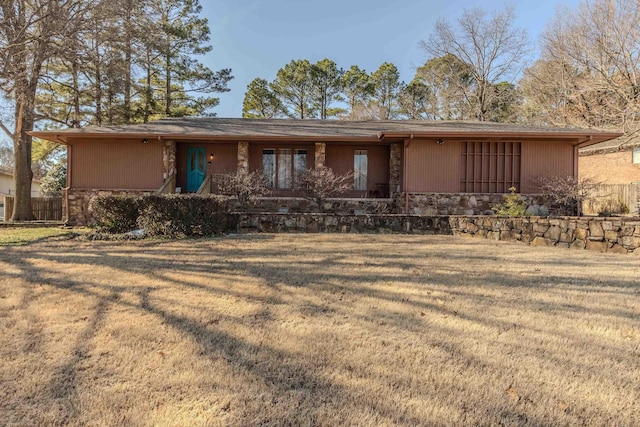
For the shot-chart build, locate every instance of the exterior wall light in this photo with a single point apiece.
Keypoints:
(145, 141)
(439, 141)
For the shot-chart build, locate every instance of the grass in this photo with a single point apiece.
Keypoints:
(23, 236)
(317, 330)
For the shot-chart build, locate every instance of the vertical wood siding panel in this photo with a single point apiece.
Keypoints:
(544, 158)
(434, 167)
(113, 164)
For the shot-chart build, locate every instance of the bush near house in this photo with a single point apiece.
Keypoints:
(161, 215)
(184, 215)
(115, 214)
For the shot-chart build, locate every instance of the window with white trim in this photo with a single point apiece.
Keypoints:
(636, 156)
(360, 166)
(282, 166)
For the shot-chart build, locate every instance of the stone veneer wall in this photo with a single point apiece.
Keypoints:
(470, 204)
(76, 209)
(354, 206)
(618, 235)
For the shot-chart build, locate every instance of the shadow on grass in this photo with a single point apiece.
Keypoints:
(173, 264)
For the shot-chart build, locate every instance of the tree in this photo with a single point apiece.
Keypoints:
(492, 45)
(415, 100)
(326, 79)
(55, 180)
(182, 35)
(260, 102)
(450, 84)
(358, 90)
(589, 71)
(31, 33)
(294, 86)
(386, 91)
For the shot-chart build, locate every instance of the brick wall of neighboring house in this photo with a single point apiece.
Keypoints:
(609, 168)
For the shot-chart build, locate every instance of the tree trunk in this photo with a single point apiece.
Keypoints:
(168, 84)
(22, 210)
(127, 63)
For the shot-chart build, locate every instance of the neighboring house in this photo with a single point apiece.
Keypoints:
(426, 167)
(8, 185)
(614, 166)
(612, 162)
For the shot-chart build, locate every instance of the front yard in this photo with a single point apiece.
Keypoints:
(317, 330)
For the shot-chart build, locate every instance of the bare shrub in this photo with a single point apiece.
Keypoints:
(247, 187)
(321, 183)
(566, 192)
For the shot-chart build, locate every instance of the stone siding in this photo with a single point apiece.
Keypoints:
(354, 206)
(76, 210)
(471, 204)
(395, 168)
(243, 157)
(320, 155)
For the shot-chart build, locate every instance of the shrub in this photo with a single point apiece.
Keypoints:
(184, 215)
(511, 205)
(114, 214)
(566, 192)
(321, 183)
(246, 187)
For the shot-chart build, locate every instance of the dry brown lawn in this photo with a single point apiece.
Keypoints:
(317, 330)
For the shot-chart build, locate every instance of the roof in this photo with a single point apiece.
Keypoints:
(266, 129)
(623, 143)
(9, 172)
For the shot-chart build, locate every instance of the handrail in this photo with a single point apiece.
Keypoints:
(205, 187)
(169, 186)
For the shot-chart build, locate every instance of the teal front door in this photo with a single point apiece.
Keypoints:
(195, 168)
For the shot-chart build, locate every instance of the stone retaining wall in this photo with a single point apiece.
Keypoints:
(619, 235)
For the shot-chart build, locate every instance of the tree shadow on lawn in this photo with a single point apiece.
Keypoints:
(282, 278)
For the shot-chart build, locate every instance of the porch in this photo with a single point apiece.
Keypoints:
(197, 166)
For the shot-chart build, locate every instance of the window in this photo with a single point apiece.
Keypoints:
(636, 156)
(490, 167)
(283, 166)
(360, 165)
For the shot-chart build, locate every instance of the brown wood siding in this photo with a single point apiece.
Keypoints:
(340, 159)
(432, 167)
(225, 159)
(489, 166)
(545, 158)
(116, 164)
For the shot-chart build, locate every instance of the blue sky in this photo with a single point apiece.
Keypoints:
(256, 38)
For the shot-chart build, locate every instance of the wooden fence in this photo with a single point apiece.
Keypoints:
(44, 208)
(615, 199)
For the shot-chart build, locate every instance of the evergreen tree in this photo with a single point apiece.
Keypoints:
(294, 87)
(260, 102)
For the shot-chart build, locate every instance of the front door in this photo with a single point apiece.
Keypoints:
(195, 168)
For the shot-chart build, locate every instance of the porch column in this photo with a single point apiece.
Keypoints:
(395, 168)
(320, 156)
(243, 157)
(168, 159)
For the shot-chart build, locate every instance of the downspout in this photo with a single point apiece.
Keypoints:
(66, 193)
